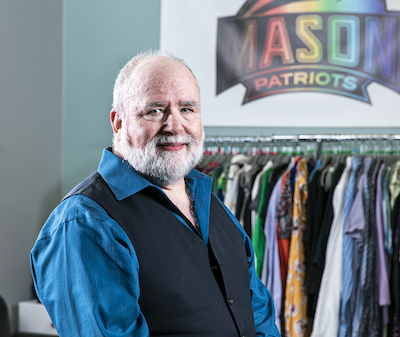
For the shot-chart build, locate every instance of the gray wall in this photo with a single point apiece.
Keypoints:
(59, 60)
(100, 36)
(30, 136)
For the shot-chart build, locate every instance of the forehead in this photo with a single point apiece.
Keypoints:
(163, 76)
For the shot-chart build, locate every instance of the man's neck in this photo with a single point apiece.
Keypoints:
(176, 192)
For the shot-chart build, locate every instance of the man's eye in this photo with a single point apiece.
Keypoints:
(153, 112)
(188, 113)
(154, 115)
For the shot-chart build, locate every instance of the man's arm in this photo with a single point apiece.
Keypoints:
(261, 301)
(86, 273)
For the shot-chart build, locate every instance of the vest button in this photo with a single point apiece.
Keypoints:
(230, 301)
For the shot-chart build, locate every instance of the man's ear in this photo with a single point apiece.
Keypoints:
(116, 120)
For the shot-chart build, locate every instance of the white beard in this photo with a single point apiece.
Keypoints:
(162, 167)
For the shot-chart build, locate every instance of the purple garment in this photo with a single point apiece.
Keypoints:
(355, 223)
(384, 293)
(271, 271)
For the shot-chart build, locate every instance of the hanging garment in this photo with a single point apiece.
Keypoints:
(258, 238)
(276, 173)
(214, 175)
(347, 273)
(354, 228)
(284, 222)
(246, 183)
(244, 179)
(384, 288)
(269, 179)
(315, 209)
(394, 326)
(355, 222)
(315, 169)
(326, 320)
(271, 273)
(296, 322)
(370, 324)
(255, 194)
(232, 184)
(395, 272)
(387, 224)
(394, 184)
(317, 265)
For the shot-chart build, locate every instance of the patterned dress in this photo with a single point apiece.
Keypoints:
(296, 322)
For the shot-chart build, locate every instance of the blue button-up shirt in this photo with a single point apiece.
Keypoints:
(86, 271)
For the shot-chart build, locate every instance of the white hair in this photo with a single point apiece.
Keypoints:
(123, 91)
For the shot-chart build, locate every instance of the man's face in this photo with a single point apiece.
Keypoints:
(161, 134)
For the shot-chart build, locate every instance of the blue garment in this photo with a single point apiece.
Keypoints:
(387, 221)
(315, 169)
(358, 251)
(346, 313)
(85, 269)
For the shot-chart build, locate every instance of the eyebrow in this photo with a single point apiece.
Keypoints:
(190, 104)
(153, 105)
(156, 105)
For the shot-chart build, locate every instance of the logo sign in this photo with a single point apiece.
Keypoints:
(331, 46)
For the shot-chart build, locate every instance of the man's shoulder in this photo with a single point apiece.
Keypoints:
(76, 211)
(84, 185)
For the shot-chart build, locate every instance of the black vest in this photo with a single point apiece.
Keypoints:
(186, 288)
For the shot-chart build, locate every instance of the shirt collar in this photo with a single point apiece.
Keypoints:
(124, 181)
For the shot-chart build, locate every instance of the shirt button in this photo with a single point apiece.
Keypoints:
(230, 301)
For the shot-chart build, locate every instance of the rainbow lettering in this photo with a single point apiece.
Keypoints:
(331, 46)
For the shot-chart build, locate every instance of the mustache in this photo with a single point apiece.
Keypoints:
(162, 139)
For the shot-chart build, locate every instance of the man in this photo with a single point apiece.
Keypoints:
(141, 247)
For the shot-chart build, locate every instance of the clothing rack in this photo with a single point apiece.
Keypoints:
(299, 138)
(247, 187)
(250, 143)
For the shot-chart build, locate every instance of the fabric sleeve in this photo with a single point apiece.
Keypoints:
(261, 301)
(86, 273)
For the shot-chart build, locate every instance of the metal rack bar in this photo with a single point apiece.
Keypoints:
(361, 143)
(301, 138)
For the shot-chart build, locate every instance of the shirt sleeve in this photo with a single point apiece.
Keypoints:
(86, 273)
(261, 301)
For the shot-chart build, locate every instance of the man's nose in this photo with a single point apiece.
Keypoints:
(173, 123)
